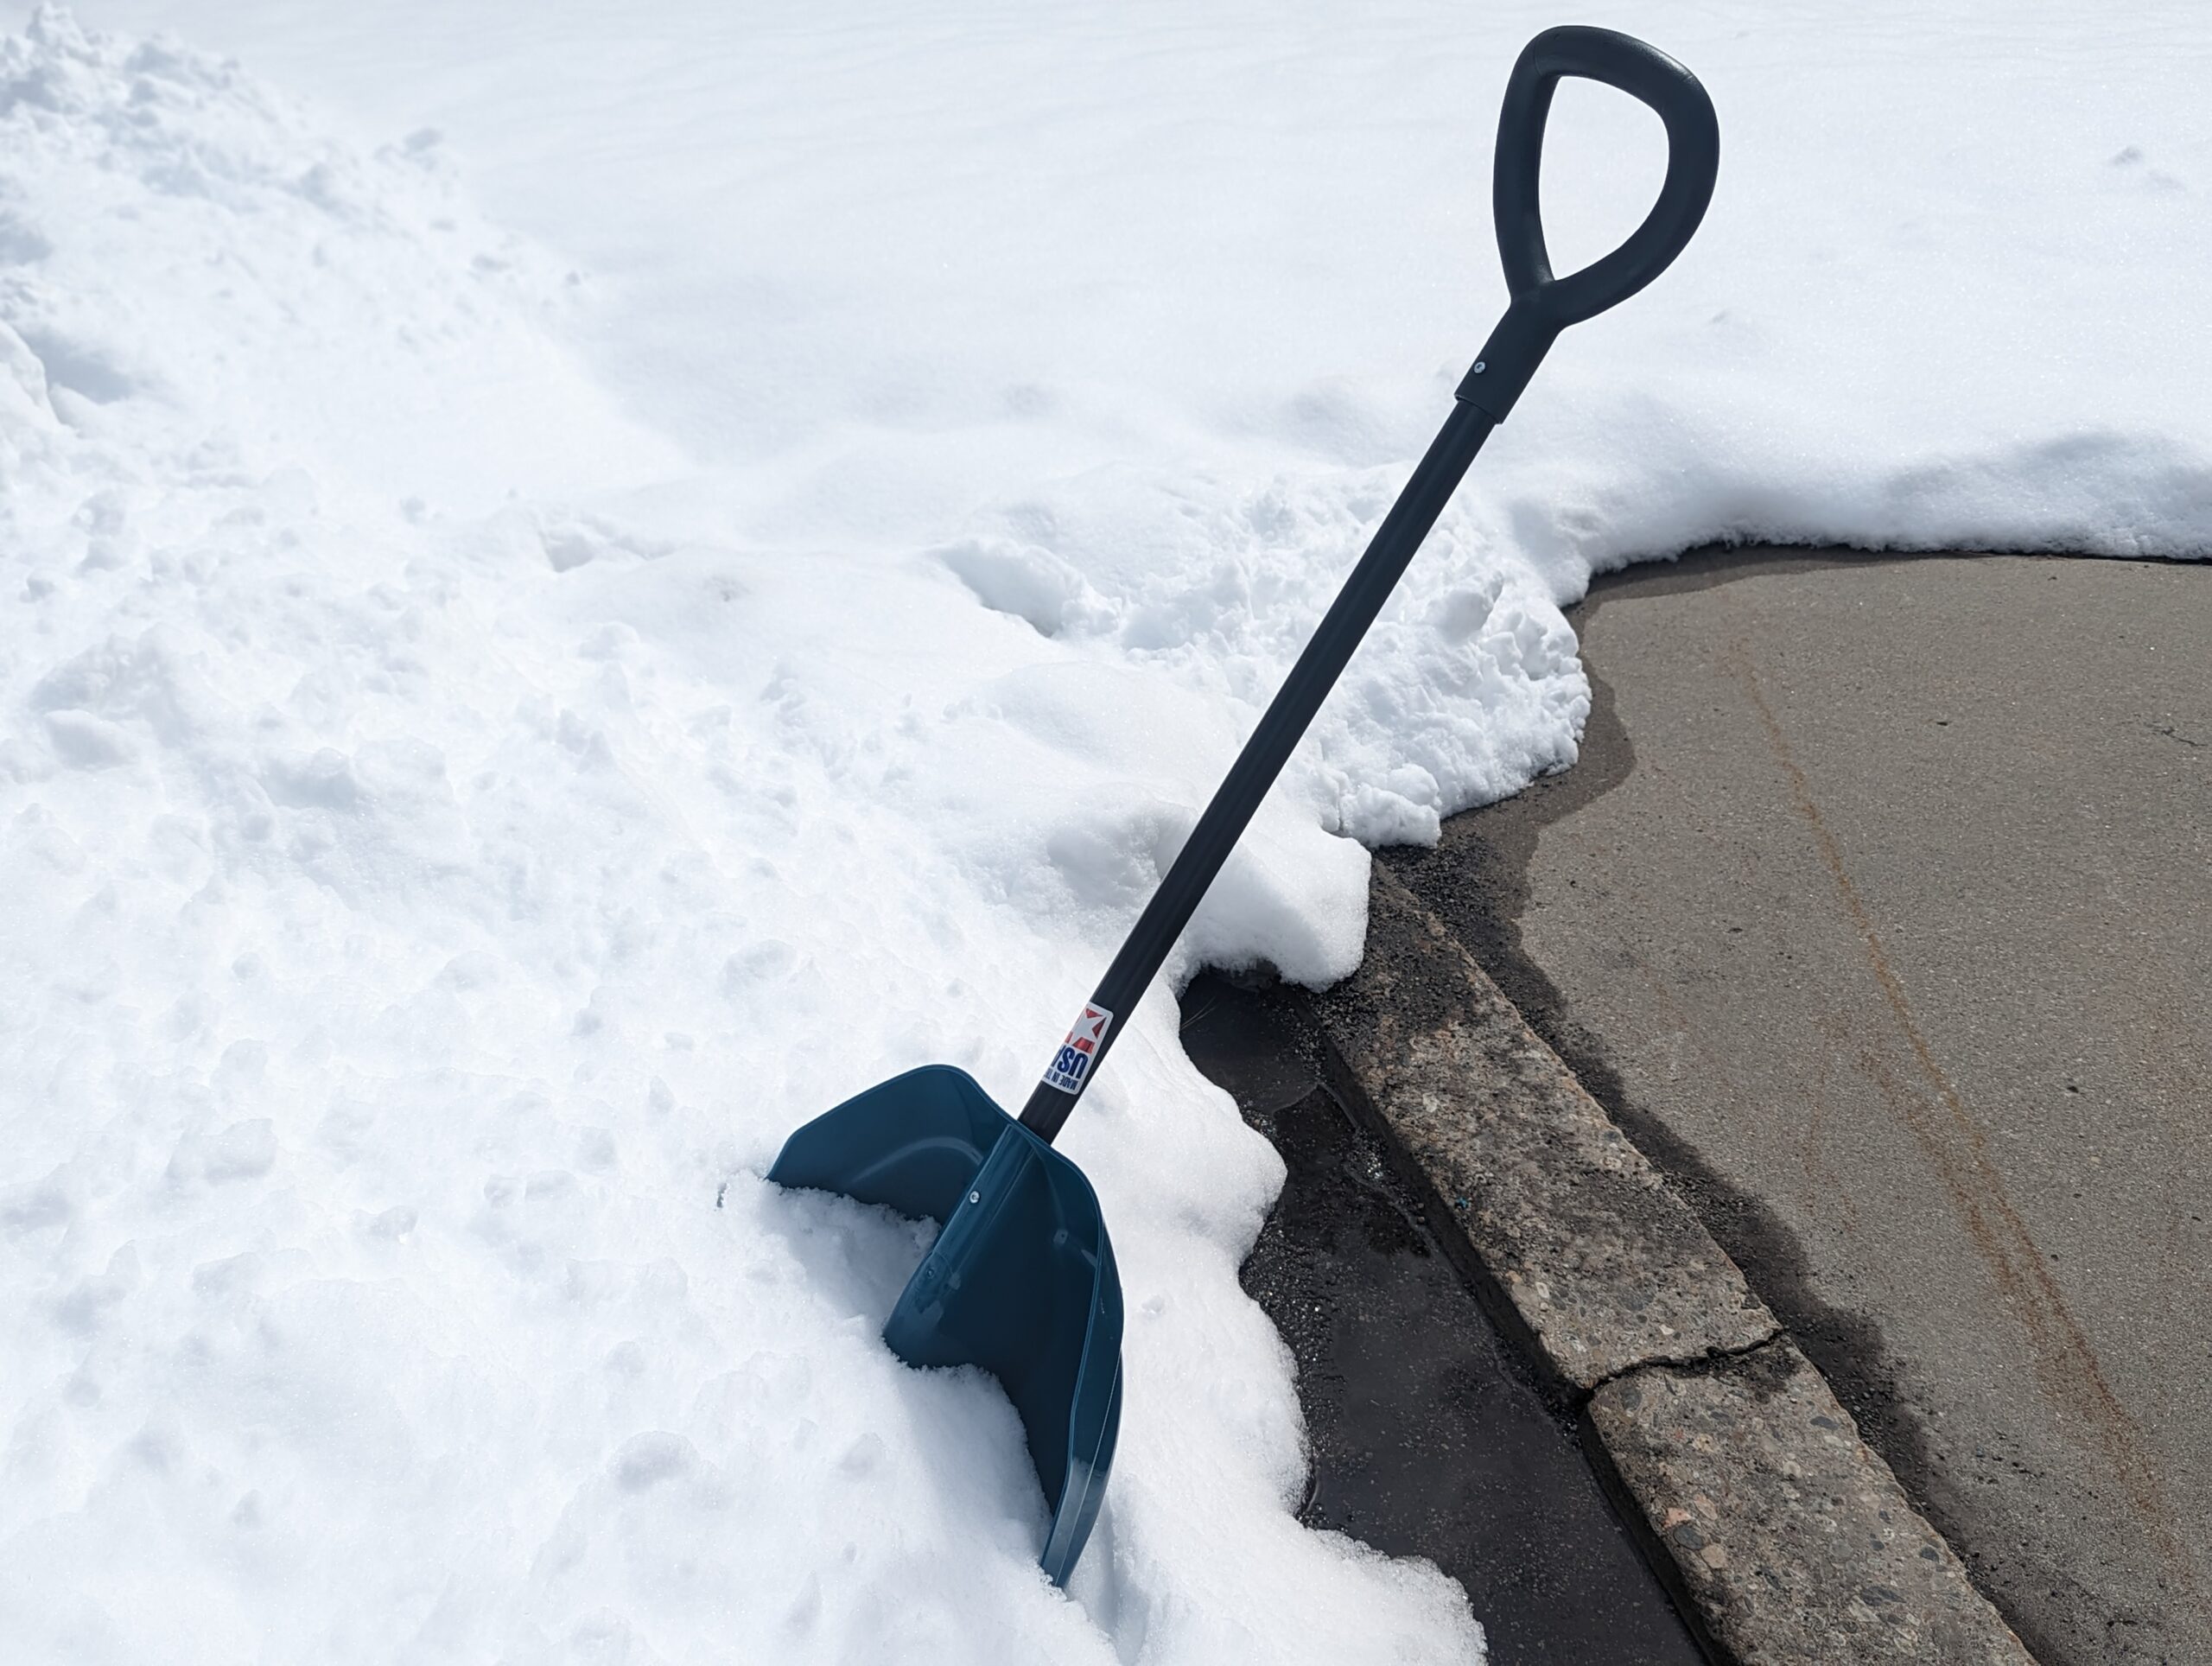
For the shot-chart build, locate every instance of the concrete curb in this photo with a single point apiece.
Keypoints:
(1785, 1537)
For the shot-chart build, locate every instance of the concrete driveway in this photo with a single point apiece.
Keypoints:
(1879, 911)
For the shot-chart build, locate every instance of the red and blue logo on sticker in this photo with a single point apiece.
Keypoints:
(1073, 1063)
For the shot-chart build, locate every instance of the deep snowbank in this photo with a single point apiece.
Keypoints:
(487, 749)
(419, 910)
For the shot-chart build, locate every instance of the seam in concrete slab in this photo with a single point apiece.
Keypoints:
(1782, 1535)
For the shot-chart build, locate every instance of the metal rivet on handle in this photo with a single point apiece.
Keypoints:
(974, 1197)
(1480, 368)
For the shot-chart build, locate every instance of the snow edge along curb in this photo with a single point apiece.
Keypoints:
(1782, 1535)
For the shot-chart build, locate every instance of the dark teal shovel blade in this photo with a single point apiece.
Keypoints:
(1021, 1280)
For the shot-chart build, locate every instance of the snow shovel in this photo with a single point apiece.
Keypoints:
(1021, 1279)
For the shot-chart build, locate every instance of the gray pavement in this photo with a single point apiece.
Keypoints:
(1879, 911)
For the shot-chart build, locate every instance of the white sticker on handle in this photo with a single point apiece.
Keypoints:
(1071, 1067)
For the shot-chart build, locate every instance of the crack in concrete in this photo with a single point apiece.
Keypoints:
(1705, 1361)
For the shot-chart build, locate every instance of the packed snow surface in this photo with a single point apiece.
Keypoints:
(583, 583)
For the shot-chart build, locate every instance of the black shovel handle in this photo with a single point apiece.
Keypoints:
(1544, 305)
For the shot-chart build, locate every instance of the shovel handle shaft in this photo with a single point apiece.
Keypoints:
(1542, 306)
(1272, 743)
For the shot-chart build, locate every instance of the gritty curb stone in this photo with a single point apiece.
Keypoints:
(1786, 1538)
(1793, 1541)
(1602, 1265)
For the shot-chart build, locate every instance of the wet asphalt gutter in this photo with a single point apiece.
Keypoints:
(1429, 1433)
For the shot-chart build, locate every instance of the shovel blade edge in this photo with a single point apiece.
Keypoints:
(1020, 1282)
(913, 1143)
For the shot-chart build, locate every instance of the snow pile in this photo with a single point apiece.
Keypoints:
(488, 747)
(417, 914)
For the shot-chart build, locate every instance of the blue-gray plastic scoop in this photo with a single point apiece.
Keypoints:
(1021, 1279)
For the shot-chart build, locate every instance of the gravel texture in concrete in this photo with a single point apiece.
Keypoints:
(1878, 912)
(1789, 1533)
(1601, 1264)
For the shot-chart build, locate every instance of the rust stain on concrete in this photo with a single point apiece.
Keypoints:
(1957, 1149)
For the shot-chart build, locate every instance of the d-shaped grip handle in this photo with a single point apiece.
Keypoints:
(1544, 305)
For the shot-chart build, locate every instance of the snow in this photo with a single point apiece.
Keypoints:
(617, 577)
